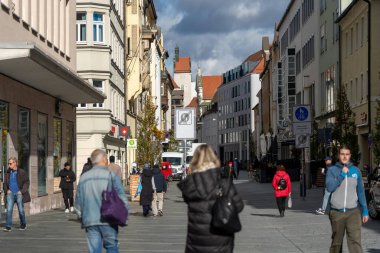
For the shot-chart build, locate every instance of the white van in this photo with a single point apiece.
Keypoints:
(176, 160)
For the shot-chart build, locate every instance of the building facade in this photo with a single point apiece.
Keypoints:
(329, 73)
(359, 72)
(101, 53)
(39, 91)
(234, 109)
(296, 72)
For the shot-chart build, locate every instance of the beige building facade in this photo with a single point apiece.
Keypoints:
(39, 90)
(100, 39)
(356, 77)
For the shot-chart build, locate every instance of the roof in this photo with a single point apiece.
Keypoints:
(259, 68)
(183, 65)
(175, 86)
(285, 14)
(193, 103)
(255, 56)
(210, 85)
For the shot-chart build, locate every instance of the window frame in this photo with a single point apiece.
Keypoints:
(79, 23)
(96, 27)
(98, 105)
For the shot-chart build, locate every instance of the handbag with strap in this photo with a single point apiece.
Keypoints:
(225, 217)
(113, 210)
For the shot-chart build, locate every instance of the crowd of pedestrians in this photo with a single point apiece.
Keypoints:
(205, 191)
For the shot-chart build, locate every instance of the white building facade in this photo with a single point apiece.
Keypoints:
(101, 59)
(296, 73)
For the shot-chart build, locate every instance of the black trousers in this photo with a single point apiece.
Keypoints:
(68, 197)
(281, 203)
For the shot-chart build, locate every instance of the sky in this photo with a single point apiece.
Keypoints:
(217, 34)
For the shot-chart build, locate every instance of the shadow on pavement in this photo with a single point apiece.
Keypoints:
(264, 215)
(373, 250)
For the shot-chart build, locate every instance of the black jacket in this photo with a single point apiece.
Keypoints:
(199, 192)
(22, 181)
(159, 180)
(67, 179)
(146, 196)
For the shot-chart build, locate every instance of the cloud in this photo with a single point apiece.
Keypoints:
(217, 34)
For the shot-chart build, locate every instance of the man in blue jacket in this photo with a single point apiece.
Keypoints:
(348, 203)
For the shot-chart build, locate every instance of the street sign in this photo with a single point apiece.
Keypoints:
(302, 128)
(132, 143)
(302, 141)
(301, 113)
(185, 123)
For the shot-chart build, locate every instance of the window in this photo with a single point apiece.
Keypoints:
(23, 135)
(351, 40)
(356, 91)
(42, 153)
(357, 36)
(323, 38)
(98, 27)
(361, 88)
(81, 27)
(308, 52)
(362, 32)
(98, 84)
(57, 145)
(4, 116)
(298, 62)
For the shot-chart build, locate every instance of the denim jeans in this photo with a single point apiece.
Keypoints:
(102, 234)
(11, 199)
(326, 198)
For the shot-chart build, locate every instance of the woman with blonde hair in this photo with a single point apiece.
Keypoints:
(199, 191)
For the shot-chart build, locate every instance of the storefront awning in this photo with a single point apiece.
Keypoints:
(29, 65)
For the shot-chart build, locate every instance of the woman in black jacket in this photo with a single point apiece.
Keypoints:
(67, 186)
(146, 196)
(199, 191)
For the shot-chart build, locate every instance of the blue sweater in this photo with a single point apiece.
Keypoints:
(346, 188)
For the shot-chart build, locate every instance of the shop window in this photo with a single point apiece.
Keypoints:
(4, 116)
(57, 145)
(23, 134)
(42, 153)
(70, 142)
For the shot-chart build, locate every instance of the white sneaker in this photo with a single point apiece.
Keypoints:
(67, 211)
(320, 211)
(72, 209)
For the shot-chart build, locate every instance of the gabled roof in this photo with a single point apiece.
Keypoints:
(183, 65)
(210, 85)
(254, 57)
(259, 68)
(193, 103)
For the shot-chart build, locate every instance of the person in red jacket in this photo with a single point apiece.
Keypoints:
(282, 188)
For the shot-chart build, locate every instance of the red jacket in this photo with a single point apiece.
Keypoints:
(276, 179)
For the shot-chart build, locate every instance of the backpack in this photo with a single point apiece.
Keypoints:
(282, 183)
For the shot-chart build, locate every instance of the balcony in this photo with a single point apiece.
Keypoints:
(149, 33)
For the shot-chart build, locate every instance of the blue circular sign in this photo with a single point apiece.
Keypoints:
(301, 113)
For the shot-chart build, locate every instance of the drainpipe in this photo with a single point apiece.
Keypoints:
(369, 81)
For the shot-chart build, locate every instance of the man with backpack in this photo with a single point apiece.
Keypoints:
(282, 188)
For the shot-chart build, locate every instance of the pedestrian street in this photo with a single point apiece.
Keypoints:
(263, 231)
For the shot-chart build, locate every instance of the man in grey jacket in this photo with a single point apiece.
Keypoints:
(348, 203)
(88, 203)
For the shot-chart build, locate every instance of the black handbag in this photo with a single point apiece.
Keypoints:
(225, 217)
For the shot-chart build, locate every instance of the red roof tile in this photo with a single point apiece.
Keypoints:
(183, 65)
(210, 85)
(255, 56)
(193, 103)
(259, 68)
